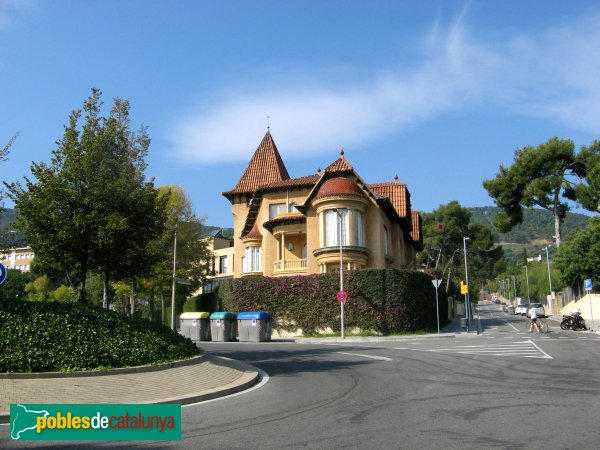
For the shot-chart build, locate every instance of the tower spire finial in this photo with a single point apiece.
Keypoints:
(268, 123)
(342, 152)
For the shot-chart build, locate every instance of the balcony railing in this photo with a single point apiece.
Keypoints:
(294, 264)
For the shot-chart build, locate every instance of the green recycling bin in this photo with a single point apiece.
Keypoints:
(223, 327)
(195, 325)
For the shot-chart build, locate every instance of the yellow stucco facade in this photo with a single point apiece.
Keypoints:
(287, 226)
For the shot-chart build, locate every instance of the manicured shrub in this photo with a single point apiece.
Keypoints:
(383, 301)
(55, 336)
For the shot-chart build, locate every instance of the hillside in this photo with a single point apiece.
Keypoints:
(533, 234)
(537, 226)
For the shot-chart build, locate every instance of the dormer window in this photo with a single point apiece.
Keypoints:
(275, 209)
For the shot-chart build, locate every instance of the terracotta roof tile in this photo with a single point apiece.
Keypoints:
(338, 186)
(417, 229)
(266, 166)
(309, 180)
(254, 232)
(339, 165)
(397, 193)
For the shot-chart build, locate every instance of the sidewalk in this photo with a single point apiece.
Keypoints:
(201, 378)
(450, 330)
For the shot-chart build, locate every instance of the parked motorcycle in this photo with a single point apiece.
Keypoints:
(573, 321)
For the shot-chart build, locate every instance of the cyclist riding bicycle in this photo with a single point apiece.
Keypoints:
(533, 324)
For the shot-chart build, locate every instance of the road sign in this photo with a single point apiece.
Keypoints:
(464, 289)
(587, 284)
(2, 273)
(342, 296)
(436, 283)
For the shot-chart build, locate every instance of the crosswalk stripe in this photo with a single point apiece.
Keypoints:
(525, 349)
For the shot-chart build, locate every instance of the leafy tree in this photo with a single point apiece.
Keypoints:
(3, 157)
(91, 203)
(443, 232)
(538, 177)
(192, 251)
(39, 289)
(65, 294)
(579, 257)
(587, 193)
(13, 287)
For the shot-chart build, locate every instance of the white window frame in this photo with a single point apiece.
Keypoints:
(275, 209)
(252, 262)
(332, 227)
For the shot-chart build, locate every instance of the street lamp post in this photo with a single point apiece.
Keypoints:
(467, 299)
(527, 279)
(340, 232)
(549, 279)
(174, 281)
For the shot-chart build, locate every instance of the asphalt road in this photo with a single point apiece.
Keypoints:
(505, 388)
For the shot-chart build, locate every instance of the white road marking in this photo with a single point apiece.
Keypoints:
(264, 379)
(362, 355)
(547, 355)
(525, 349)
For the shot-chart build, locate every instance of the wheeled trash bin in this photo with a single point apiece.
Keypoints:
(195, 325)
(254, 326)
(223, 327)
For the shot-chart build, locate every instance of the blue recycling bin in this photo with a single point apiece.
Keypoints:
(223, 327)
(254, 326)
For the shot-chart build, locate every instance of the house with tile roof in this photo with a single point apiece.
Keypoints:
(287, 226)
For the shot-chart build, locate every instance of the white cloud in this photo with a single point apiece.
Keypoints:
(552, 75)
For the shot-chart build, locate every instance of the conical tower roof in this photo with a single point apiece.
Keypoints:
(266, 166)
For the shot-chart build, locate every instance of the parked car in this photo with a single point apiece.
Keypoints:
(504, 307)
(539, 309)
(522, 309)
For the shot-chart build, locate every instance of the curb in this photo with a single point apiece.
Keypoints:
(372, 338)
(99, 373)
(249, 378)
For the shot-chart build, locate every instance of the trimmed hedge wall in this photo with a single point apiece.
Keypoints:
(53, 336)
(382, 300)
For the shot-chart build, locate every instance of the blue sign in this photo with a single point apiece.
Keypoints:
(587, 284)
(2, 273)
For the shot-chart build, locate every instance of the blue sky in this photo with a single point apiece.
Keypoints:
(438, 92)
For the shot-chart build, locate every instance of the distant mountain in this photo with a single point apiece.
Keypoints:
(7, 217)
(533, 234)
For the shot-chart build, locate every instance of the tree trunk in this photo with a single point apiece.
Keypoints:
(105, 281)
(557, 230)
(162, 306)
(132, 311)
(83, 275)
(151, 304)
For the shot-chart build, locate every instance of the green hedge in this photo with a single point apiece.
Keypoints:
(201, 303)
(383, 301)
(53, 336)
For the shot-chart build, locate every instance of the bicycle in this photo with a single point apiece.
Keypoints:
(542, 325)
